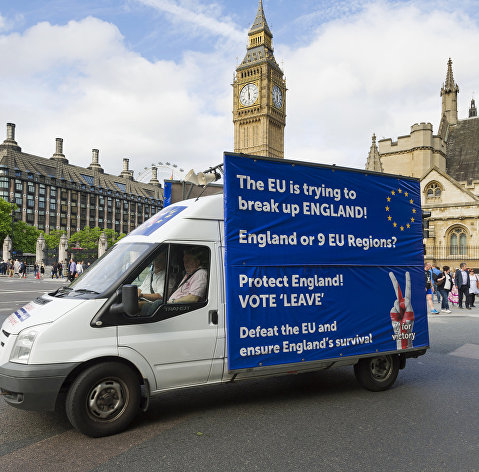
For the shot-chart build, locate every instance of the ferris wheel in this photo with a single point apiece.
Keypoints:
(165, 171)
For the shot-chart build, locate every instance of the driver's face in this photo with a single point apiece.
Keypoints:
(190, 262)
(160, 263)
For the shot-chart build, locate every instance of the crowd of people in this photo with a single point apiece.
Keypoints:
(70, 270)
(18, 268)
(13, 268)
(458, 288)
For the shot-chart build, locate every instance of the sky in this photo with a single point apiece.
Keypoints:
(150, 80)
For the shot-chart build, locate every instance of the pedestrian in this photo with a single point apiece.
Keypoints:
(60, 269)
(35, 270)
(11, 270)
(429, 287)
(463, 283)
(54, 270)
(16, 267)
(435, 274)
(79, 268)
(474, 287)
(23, 270)
(42, 271)
(72, 270)
(444, 284)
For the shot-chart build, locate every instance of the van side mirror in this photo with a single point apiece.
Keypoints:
(129, 301)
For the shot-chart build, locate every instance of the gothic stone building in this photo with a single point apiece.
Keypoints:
(52, 194)
(447, 165)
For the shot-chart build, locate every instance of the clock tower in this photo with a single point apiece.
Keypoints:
(259, 95)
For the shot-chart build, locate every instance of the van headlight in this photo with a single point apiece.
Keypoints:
(24, 343)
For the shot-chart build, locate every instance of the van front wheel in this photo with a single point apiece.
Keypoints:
(377, 373)
(104, 399)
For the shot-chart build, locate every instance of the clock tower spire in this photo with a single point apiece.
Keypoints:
(259, 95)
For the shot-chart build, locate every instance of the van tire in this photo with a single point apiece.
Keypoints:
(103, 399)
(377, 373)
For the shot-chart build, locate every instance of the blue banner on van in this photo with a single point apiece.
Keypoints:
(321, 262)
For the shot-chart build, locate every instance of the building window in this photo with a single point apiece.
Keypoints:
(458, 241)
(433, 191)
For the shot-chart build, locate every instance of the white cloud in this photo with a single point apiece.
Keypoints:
(194, 13)
(79, 82)
(379, 71)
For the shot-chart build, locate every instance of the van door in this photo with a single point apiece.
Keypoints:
(180, 349)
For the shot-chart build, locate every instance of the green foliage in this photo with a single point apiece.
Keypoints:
(5, 219)
(52, 240)
(24, 237)
(88, 237)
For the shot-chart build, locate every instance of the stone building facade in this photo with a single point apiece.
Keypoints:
(50, 193)
(447, 164)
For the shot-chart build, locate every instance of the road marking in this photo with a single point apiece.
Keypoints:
(471, 351)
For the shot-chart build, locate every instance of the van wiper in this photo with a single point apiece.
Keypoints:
(60, 291)
(85, 290)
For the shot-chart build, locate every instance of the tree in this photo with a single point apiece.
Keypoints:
(24, 237)
(52, 240)
(5, 219)
(88, 237)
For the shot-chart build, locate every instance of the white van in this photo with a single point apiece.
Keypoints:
(147, 317)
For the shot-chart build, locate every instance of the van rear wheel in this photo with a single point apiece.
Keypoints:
(104, 399)
(377, 373)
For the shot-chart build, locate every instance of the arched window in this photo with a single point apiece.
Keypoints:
(458, 241)
(433, 191)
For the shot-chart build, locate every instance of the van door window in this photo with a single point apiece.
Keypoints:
(151, 283)
(173, 281)
(191, 286)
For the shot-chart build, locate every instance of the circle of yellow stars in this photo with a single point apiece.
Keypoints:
(400, 193)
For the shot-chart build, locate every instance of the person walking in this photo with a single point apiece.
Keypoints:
(463, 283)
(42, 271)
(72, 270)
(429, 287)
(80, 268)
(435, 274)
(444, 284)
(23, 270)
(473, 289)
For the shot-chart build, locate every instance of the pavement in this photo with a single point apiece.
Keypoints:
(455, 310)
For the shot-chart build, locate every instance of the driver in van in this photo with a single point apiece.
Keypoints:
(192, 287)
(152, 287)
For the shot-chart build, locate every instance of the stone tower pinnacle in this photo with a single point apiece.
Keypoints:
(449, 93)
(374, 160)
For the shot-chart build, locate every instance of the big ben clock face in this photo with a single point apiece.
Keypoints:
(248, 94)
(277, 97)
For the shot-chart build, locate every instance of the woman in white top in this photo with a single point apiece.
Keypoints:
(473, 289)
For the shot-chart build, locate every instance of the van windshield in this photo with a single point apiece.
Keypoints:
(110, 267)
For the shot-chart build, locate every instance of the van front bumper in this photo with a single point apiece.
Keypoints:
(33, 387)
